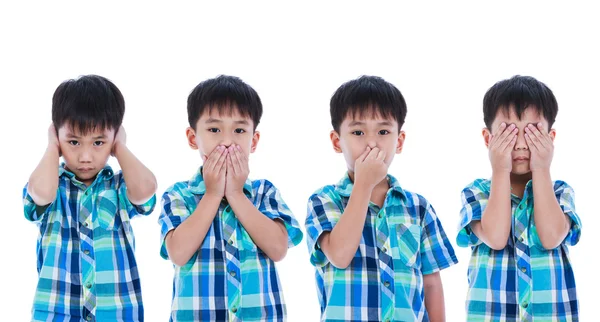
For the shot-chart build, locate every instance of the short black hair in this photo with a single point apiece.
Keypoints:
(367, 94)
(227, 94)
(520, 93)
(88, 103)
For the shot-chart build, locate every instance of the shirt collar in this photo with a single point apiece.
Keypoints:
(104, 174)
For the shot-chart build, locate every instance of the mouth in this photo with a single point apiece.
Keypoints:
(85, 169)
(520, 159)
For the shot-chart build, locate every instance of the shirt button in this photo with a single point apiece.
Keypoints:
(384, 249)
(88, 285)
(521, 239)
(386, 284)
(85, 224)
(232, 273)
(525, 305)
(231, 242)
(87, 252)
(234, 310)
(523, 269)
(521, 206)
(89, 318)
(380, 215)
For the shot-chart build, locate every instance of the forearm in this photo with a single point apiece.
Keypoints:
(494, 227)
(269, 235)
(551, 223)
(434, 297)
(43, 181)
(140, 181)
(341, 243)
(184, 241)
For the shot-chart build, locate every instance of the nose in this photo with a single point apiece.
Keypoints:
(521, 144)
(85, 156)
(226, 140)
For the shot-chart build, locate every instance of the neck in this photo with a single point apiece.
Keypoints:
(518, 183)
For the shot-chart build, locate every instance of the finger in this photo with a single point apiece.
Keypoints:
(235, 159)
(535, 136)
(497, 132)
(373, 154)
(505, 140)
(211, 159)
(380, 155)
(219, 164)
(243, 159)
(532, 145)
(544, 135)
(363, 156)
(229, 165)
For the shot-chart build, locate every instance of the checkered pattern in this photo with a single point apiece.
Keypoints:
(524, 281)
(86, 264)
(229, 278)
(401, 242)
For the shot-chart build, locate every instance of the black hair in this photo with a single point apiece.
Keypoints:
(367, 94)
(520, 93)
(88, 103)
(227, 94)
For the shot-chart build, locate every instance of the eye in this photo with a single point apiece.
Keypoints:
(74, 142)
(214, 130)
(358, 132)
(98, 143)
(239, 131)
(384, 132)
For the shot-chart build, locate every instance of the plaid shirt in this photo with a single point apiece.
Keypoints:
(523, 281)
(401, 242)
(85, 249)
(229, 278)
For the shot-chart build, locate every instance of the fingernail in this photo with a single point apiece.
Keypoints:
(540, 124)
(503, 124)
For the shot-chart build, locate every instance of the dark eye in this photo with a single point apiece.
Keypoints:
(74, 142)
(384, 132)
(357, 132)
(214, 130)
(239, 131)
(98, 143)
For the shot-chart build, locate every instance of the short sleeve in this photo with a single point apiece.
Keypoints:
(437, 252)
(273, 206)
(322, 215)
(566, 200)
(32, 211)
(474, 200)
(173, 212)
(125, 204)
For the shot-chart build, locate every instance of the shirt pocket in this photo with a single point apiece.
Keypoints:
(109, 215)
(409, 243)
(245, 242)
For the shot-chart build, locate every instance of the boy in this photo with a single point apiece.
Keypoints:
(86, 264)
(376, 247)
(222, 231)
(519, 223)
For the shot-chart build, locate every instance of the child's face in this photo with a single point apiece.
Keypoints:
(520, 154)
(356, 134)
(85, 155)
(214, 129)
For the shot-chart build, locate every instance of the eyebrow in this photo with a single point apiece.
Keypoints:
(211, 120)
(73, 136)
(354, 123)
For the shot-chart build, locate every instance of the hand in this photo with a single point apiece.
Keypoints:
(540, 146)
(501, 146)
(120, 139)
(53, 138)
(370, 168)
(237, 170)
(214, 171)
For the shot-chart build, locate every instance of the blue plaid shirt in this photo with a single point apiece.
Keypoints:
(523, 281)
(401, 242)
(229, 278)
(86, 264)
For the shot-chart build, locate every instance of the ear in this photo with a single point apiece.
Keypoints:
(552, 134)
(191, 137)
(255, 139)
(487, 136)
(400, 143)
(335, 140)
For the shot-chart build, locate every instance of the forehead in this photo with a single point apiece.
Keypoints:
(224, 113)
(68, 131)
(529, 115)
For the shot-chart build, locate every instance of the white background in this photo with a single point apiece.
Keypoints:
(443, 57)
